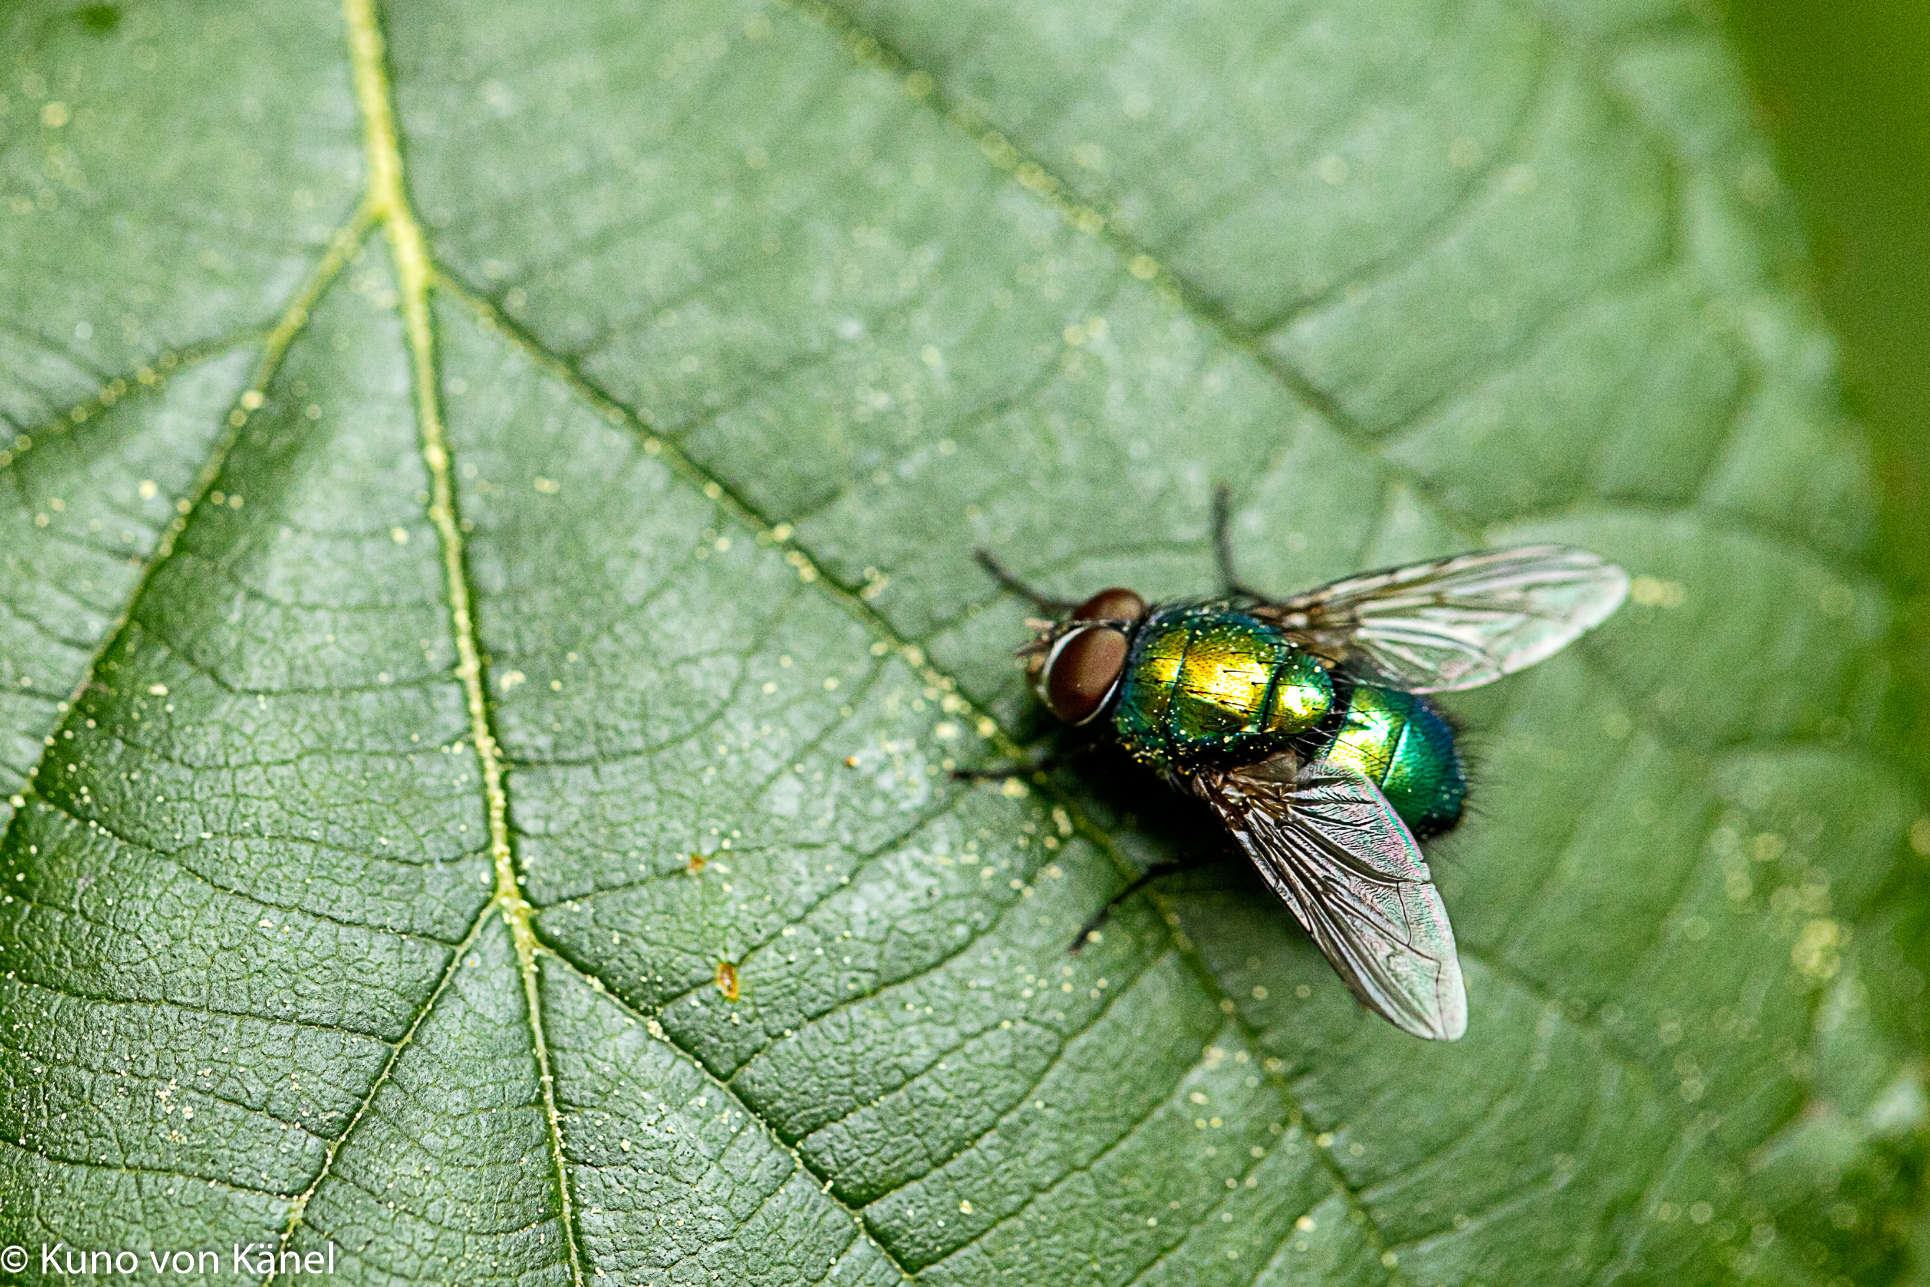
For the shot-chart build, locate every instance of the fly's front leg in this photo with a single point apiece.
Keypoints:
(1056, 760)
(1043, 602)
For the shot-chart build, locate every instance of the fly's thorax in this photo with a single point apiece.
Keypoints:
(1302, 695)
(1207, 682)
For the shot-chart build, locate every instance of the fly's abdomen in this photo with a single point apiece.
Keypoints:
(1207, 683)
(1400, 741)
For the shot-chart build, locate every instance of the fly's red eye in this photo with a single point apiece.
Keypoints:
(1082, 671)
(1115, 604)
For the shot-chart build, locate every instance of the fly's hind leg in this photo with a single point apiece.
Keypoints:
(1043, 602)
(1223, 545)
(1087, 932)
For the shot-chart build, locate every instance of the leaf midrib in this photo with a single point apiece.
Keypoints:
(388, 203)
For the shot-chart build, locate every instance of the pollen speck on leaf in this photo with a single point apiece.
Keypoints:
(1655, 592)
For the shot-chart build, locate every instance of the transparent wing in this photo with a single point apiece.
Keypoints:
(1338, 855)
(1458, 622)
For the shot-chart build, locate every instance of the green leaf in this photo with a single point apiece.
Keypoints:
(488, 611)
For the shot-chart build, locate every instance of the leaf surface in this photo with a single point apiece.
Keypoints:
(488, 614)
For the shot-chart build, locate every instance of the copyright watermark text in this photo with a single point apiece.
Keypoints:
(255, 1259)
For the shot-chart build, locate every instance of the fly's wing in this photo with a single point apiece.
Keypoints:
(1459, 622)
(1338, 855)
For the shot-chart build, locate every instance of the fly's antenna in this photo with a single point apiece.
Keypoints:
(1043, 602)
(1223, 544)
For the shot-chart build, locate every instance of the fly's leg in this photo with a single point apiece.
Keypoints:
(1043, 602)
(1223, 545)
(1009, 771)
(1145, 878)
(1057, 759)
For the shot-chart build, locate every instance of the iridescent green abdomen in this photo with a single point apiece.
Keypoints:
(1205, 682)
(1400, 741)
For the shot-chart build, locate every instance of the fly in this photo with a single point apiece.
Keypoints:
(1305, 725)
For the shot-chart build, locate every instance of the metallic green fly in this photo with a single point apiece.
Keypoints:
(1303, 723)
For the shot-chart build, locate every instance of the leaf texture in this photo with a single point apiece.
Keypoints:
(486, 614)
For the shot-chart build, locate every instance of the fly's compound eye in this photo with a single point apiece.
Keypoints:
(1081, 671)
(1115, 604)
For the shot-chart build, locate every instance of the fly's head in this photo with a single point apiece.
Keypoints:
(1075, 665)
